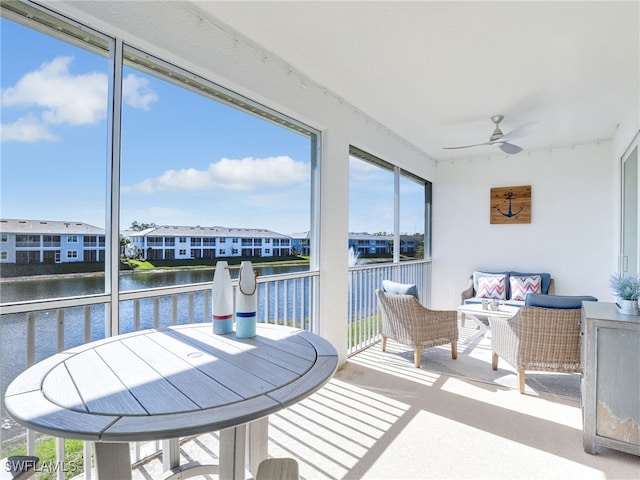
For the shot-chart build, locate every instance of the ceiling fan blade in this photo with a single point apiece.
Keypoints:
(521, 131)
(467, 146)
(510, 148)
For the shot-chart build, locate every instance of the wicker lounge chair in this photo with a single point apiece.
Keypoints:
(407, 322)
(538, 339)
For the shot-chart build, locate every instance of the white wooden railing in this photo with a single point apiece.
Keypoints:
(363, 315)
(34, 330)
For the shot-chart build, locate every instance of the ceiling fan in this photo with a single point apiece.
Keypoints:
(502, 140)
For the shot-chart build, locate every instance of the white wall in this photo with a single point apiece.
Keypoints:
(570, 234)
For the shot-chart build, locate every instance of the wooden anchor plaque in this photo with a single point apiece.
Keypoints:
(511, 205)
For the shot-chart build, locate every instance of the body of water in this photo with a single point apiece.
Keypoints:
(13, 327)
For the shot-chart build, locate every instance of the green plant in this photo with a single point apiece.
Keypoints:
(627, 287)
(72, 464)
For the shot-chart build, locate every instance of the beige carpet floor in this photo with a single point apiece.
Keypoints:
(381, 418)
(474, 362)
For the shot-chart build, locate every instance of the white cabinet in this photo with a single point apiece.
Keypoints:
(610, 378)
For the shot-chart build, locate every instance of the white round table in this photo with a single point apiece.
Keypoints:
(169, 383)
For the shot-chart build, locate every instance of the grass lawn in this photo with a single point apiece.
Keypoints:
(48, 466)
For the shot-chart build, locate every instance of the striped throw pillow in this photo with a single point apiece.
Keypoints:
(492, 287)
(521, 286)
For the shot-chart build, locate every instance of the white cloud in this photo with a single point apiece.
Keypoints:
(229, 174)
(137, 93)
(61, 97)
(26, 129)
(65, 98)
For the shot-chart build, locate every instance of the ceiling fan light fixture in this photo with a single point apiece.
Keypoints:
(497, 133)
(501, 140)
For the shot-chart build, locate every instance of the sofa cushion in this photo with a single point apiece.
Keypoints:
(544, 277)
(557, 301)
(522, 285)
(400, 288)
(478, 274)
(494, 286)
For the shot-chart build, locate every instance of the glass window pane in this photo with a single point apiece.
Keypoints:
(202, 180)
(53, 173)
(370, 210)
(412, 216)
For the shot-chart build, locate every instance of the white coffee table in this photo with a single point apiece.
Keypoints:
(475, 311)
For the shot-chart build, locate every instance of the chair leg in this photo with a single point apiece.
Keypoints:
(494, 361)
(417, 356)
(521, 381)
(384, 344)
(454, 350)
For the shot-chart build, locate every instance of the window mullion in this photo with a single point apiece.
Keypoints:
(112, 265)
(396, 214)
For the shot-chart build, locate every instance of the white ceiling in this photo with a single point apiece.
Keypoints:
(435, 71)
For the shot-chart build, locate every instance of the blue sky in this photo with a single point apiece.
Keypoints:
(185, 159)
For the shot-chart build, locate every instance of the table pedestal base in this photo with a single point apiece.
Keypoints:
(112, 460)
(241, 448)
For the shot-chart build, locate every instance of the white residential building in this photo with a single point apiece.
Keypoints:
(26, 242)
(184, 242)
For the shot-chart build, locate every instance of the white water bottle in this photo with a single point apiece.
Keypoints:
(246, 301)
(222, 299)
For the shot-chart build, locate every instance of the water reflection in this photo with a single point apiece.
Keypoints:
(89, 284)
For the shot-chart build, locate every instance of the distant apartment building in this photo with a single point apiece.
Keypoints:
(369, 244)
(409, 244)
(300, 244)
(180, 242)
(24, 242)
(363, 244)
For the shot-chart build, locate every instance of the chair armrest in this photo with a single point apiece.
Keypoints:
(436, 323)
(504, 339)
(19, 467)
(467, 292)
(552, 287)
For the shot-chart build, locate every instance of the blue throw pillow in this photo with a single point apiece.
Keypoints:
(400, 288)
(557, 301)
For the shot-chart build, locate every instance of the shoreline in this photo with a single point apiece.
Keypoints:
(26, 278)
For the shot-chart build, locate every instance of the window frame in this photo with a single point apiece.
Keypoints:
(118, 53)
(397, 174)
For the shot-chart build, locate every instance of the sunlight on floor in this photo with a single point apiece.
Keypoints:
(382, 418)
(564, 412)
(391, 365)
(335, 428)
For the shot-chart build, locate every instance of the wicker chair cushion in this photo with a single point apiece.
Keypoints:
(557, 301)
(399, 288)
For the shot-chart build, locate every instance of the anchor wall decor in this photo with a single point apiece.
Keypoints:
(511, 204)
